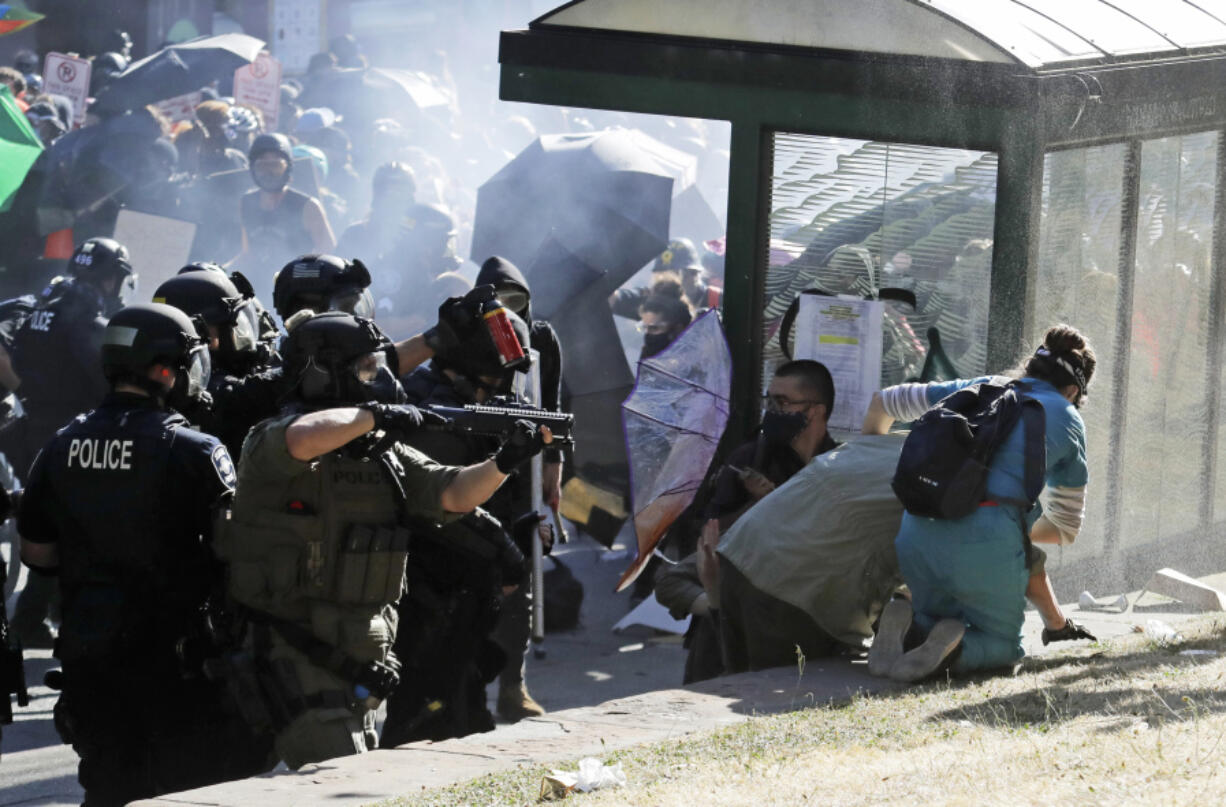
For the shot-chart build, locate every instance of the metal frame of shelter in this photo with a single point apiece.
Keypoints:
(1021, 108)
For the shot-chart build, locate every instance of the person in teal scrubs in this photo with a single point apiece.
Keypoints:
(968, 576)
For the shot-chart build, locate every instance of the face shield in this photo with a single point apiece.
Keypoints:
(245, 329)
(358, 302)
(375, 381)
(125, 293)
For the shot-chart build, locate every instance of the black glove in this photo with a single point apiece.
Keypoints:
(402, 419)
(511, 563)
(524, 529)
(1070, 632)
(524, 443)
(458, 318)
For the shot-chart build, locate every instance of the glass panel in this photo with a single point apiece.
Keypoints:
(1098, 23)
(1028, 35)
(1179, 22)
(1217, 8)
(1077, 282)
(1164, 479)
(854, 217)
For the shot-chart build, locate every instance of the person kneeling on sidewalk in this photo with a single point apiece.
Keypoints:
(968, 576)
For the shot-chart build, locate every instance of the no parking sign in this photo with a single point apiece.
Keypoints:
(259, 85)
(68, 75)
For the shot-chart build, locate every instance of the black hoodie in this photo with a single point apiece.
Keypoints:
(502, 274)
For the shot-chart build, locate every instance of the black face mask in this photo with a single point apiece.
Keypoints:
(654, 343)
(780, 428)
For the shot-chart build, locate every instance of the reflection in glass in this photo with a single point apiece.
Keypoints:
(857, 217)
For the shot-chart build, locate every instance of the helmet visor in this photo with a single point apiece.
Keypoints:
(366, 368)
(127, 289)
(245, 329)
(359, 302)
(199, 368)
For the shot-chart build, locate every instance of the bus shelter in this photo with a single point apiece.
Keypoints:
(1014, 163)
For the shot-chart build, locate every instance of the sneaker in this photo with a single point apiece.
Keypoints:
(1070, 632)
(943, 641)
(887, 644)
(514, 704)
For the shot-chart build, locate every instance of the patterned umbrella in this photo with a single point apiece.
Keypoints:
(13, 19)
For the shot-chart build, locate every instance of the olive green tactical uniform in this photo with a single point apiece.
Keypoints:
(321, 544)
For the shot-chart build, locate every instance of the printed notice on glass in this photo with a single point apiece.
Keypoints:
(844, 335)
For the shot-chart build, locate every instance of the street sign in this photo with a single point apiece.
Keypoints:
(68, 75)
(259, 85)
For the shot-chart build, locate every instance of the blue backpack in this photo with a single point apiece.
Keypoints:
(943, 469)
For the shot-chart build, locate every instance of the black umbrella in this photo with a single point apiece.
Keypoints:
(600, 198)
(177, 70)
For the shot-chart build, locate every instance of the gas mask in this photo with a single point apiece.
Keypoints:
(375, 381)
(192, 381)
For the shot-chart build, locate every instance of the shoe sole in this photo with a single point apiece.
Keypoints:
(923, 661)
(887, 644)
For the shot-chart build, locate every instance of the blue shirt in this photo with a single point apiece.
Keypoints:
(1066, 440)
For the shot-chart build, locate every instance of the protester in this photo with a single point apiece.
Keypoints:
(662, 317)
(278, 222)
(679, 260)
(16, 83)
(798, 401)
(968, 577)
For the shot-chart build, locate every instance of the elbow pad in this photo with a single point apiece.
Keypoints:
(1066, 509)
(905, 402)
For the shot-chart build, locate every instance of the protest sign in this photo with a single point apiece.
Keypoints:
(68, 75)
(181, 107)
(159, 246)
(259, 85)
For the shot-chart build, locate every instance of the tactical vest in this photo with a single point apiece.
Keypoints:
(330, 535)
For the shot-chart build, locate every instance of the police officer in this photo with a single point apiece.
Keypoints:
(318, 536)
(120, 504)
(56, 356)
(233, 333)
(454, 599)
(323, 283)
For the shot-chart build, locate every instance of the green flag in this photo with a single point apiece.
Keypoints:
(19, 147)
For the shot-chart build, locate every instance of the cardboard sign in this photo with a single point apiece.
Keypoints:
(68, 75)
(259, 85)
(181, 107)
(159, 247)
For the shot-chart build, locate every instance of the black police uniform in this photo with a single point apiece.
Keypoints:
(57, 356)
(128, 493)
(453, 599)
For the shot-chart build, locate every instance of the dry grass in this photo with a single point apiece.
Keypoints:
(1121, 723)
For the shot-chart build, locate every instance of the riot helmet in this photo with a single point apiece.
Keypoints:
(105, 265)
(323, 283)
(202, 266)
(142, 335)
(272, 161)
(225, 311)
(335, 358)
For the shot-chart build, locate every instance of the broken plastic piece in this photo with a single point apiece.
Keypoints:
(592, 775)
(1088, 602)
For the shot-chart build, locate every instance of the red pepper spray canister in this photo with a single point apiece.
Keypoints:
(510, 351)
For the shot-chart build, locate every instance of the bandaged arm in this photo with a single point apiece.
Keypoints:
(1063, 511)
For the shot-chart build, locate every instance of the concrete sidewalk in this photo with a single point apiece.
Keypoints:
(596, 730)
